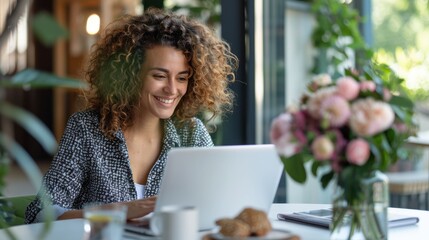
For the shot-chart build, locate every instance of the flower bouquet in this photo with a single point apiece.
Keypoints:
(350, 129)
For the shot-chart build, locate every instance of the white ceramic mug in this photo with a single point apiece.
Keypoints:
(175, 222)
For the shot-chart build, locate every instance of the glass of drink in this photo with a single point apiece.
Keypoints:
(104, 222)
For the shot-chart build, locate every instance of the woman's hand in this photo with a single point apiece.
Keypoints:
(141, 207)
(137, 208)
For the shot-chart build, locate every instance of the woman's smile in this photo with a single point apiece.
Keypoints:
(165, 100)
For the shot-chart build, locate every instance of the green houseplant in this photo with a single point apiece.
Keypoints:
(47, 30)
(337, 38)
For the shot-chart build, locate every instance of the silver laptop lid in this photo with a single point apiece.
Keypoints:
(221, 181)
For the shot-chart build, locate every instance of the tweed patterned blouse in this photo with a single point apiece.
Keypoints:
(89, 167)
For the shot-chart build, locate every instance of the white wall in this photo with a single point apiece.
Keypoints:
(423, 122)
(299, 53)
(299, 58)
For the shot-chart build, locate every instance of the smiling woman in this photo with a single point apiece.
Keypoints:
(149, 77)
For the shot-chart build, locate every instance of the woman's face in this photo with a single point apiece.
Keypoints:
(165, 74)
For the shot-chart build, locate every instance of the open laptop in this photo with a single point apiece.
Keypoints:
(220, 181)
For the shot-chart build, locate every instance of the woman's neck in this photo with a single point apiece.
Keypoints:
(150, 128)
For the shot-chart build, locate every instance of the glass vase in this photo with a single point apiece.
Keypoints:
(363, 217)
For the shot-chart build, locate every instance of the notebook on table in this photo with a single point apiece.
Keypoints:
(219, 181)
(323, 217)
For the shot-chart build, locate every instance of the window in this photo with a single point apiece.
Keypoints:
(400, 40)
(13, 50)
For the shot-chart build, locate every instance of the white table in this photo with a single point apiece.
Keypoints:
(73, 229)
(414, 232)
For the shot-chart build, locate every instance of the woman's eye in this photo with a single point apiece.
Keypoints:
(183, 79)
(159, 76)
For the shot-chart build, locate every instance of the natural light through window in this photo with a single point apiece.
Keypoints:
(401, 30)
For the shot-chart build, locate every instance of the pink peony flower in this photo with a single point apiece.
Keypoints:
(369, 117)
(335, 110)
(315, 101)
(323, 79)
(354, 71)
(292, 108)
(336, 164)
(367, 86)
(319, 81)
(400, 127)
(387, 95)
(340, 141)
(357, 152)
(322, 148)
(281, 135)
(348, 88)
(300, 118)
(300, 136)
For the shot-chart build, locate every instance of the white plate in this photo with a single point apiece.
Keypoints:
(273, 235)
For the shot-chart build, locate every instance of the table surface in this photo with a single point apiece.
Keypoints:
(73, 229)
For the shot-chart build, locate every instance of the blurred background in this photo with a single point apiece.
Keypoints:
(273, 40)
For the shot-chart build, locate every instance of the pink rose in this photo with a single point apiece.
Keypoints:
(369, 117)
(335, 110)
(322, 148)
(357, 152)
(367, 86)
(348, 88)
(281, 135)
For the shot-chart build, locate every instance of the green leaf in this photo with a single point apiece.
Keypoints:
(32, 171)
(31, 124)
(375, 151)
(402, 115)
(385, 144)
(4, 169)
(326, 179)
(390, 135)
(47, 29)
(294, 167)
(314, 168)
(24, 159)
(385, 161)
(401, 101)
(31, 78)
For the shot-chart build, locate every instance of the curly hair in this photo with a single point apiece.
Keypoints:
(114, 69)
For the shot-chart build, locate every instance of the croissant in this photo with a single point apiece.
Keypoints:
(249, 222)
(233, 228)
(257, 220)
